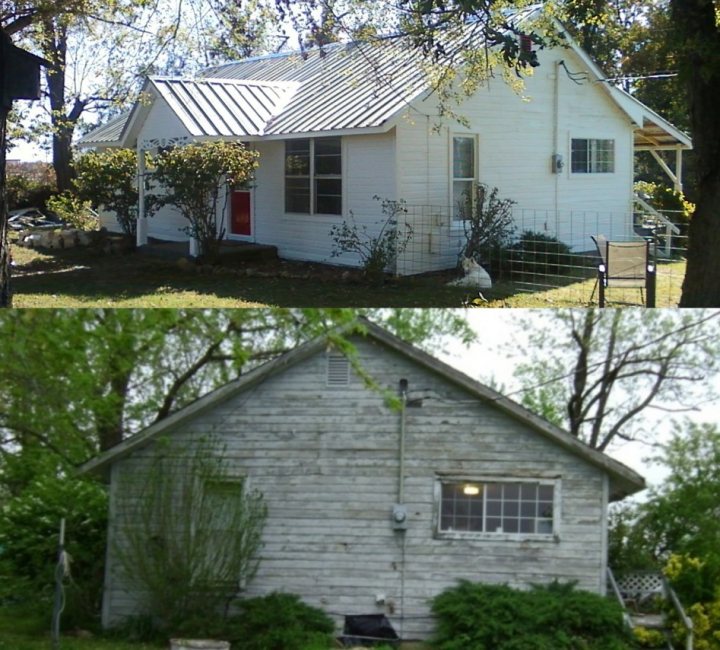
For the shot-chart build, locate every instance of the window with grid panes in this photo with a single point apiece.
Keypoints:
(515, 507)
(464, 174)
(592, 156)
(313, 176)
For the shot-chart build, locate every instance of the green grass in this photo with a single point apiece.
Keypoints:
(87, 278)
(23, 630)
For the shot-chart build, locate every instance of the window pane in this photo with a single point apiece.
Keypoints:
(510, 525)
(545, 492)
(297, 195)
(297, 157)
(462, 197)
(511, 509)
(463, 157)
(528, 491)
(544, 526)
(328, 159)
(512, 491)
(528, 508)
(527, 526)
(493, 524)
(328, 196)
(494, 490)
(579, 157)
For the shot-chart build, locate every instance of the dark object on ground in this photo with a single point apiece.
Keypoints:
(27, 218)
(364, 629)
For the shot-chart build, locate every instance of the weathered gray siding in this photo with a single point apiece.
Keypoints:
(326, 459)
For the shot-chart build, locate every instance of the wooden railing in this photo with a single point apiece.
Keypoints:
(684, 618)
(670, 228)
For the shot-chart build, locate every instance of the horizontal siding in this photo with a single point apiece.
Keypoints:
(327, 462)
(368, 170)
(516, 141)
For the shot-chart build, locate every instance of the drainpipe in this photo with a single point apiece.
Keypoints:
(401, 474)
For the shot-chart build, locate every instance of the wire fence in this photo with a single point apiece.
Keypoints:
(550, 251)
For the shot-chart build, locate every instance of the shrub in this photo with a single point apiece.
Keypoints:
(488, 223)
(376, 252)
(108, 179)
(29, 526)
(539, 254)
(73, 211)
(191, 179)
(279, 621)
(24, 192)
(554, 617)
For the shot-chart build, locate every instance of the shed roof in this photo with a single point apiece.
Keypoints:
(623, 480)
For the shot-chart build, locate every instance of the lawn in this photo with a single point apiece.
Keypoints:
(88, 278)
(20, 630)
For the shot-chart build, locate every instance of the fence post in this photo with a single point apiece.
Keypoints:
(601, 285)
(650, 283)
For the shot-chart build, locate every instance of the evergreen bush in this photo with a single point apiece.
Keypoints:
(474, 616)
(279, 621)
(539, 254)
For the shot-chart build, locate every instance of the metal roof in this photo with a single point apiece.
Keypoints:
(108, 134)
(343, 86)
(224, 107)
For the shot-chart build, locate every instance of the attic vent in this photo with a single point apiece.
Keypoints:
(338, 369)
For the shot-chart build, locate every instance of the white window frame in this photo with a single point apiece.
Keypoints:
(313, 178)
(439, 533)
(592, 162)
(456, 220)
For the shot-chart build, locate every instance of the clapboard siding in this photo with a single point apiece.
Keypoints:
(368, 170)
(516, 139)
(326, 460)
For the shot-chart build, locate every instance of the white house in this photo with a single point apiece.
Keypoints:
(336, 128)
(374, 509)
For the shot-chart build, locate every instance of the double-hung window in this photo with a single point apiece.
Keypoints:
(464, 174)
(313, 176)
(512, 507)
(592, 156)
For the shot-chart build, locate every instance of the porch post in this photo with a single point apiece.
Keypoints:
(142, 224)
(678, 170)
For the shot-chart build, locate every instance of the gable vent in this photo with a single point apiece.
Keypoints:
(338, 369)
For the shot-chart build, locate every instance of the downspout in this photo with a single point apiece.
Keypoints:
(401, 464)
(399, 510)
(556, 140)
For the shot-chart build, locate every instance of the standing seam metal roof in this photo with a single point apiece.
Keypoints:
(224, 107)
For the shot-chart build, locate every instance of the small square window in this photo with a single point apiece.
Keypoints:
(592, 156)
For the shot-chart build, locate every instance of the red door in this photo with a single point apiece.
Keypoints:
(240, 213)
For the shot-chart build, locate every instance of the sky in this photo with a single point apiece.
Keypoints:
(498, 332)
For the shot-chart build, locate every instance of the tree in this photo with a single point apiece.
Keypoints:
(192, 177)
(108, 179)
(610, 367)
(76, 382)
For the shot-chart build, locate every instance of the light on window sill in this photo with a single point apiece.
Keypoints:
(471, 490)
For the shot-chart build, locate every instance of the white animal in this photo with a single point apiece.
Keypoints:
(476, 277)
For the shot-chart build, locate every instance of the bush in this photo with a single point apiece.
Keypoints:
(24, 192)
(279, 621)
(73, 211)
(29, 526)
(539, 254)
(376, 253)
(488, 224)
(554, 617)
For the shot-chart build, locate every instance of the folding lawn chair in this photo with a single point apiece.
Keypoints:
(625, 264)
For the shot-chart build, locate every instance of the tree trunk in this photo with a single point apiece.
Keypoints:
(698, 41)
(5, 293)
(55, 49)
